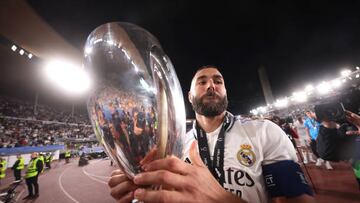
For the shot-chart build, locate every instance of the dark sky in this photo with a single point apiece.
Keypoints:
(298, 43)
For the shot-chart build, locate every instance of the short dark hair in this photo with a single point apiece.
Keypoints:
(205, 67)
(208, 66)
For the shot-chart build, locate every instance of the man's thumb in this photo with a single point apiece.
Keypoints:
(195, 156)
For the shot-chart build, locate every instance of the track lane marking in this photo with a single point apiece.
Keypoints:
(63, 190)
(90, 176)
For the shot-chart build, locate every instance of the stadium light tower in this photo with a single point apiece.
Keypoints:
(67, 76)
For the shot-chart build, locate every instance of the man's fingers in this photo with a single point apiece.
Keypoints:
(122, 189)
(353, 132)
(162, 196)
(195, 156)
(117, 172)
(160, 177)
(116, 179)
(353, 116)
(354, 121)
(170, 163)
(127, 198)
(150, 156)
(350, 119)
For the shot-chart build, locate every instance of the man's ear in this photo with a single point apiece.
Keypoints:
(190, 97)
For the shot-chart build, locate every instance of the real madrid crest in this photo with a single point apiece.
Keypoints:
(246, 156)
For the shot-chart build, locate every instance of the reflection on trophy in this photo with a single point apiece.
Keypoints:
(136, 105)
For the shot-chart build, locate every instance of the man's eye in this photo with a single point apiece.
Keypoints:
(202, 82)
(218, 81)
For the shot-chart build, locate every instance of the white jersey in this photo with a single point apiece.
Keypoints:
(262, 142)
(303, 138)
(301, 129)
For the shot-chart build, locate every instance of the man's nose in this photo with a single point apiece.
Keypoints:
(211, 85)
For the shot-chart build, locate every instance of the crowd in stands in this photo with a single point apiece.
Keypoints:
(20, 126)
(22, 109)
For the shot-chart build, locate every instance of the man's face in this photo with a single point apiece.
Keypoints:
(208, 94)
(310, 114)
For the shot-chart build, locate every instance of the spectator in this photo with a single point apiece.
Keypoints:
(341, 141)
(312, 130)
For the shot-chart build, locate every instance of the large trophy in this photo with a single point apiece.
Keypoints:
(136, 105)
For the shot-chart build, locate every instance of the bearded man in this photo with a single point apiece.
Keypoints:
(231, 159)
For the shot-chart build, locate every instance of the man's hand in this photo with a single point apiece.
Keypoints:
(330, 124)
(122, 188)
(181, 182)
(355, 120)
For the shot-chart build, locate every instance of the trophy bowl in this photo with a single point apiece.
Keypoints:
(135, 105)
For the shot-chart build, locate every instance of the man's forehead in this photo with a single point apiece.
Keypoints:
(208, 73)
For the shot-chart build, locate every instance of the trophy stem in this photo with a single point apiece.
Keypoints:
(163, 124)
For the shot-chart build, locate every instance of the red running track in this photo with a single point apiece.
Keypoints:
(69, 183)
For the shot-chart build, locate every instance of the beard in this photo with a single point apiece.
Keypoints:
(210, 108)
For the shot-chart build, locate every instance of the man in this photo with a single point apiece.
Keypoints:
(67, 156)
(303, 140)
(42, 159)
(18, 166)
(341, 141)
(312, 130)
(237, 162)
(48, 160)
(34, 168)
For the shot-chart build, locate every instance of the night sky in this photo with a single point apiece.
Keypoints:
(297, 43)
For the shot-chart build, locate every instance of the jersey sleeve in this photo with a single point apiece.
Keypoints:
(282, 174)
(276, 145)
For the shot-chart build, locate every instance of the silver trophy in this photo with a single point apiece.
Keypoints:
(136, 105)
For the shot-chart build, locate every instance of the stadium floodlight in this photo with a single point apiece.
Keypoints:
(261, 109)
(345, 72)
(280, 103)
(323, 87)
(336, 83)
(13, 47)
(300, 96)
(30, 56)
(21, 52)
(357, 68)
(67, 76)
(309, 89)
(254, 111)
(357, 75)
